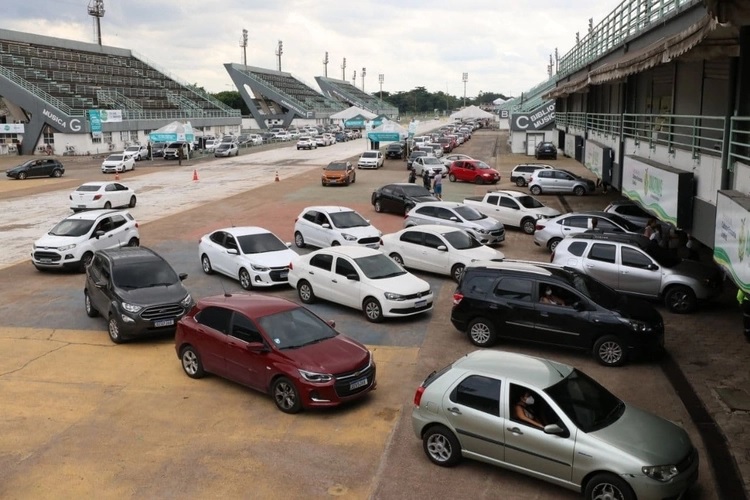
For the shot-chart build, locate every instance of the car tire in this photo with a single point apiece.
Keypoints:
(609, 351)
(378, 207)
(407, 209)
(191, 362)
(520, 182)
(552, 244)
(680, 299)
(323, 183)
(451, 177)
(107, 206)
(478, 180)
(299, 240)
(605, 485)
(91, 311)
(579, 190)
(206, 264)
(482, 332)
(347, 182)
(335, 244)
(305, 292)
(113, 329)
(535, 190)
(133, 242)
(56, 173)
(373, 310)
(397, 259)
(246, 280)
(85, 261)
(457, 272)
(285, 395)
(22, 176)
(528, 225)
(441, 446)
(132, 202)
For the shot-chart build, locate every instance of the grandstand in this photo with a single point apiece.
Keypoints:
(50, 84)
(350, 95)
(278, 97)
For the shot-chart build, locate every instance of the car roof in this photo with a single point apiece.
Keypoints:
(97, 183)
(253, 305)
(537, 165)
(123, 255)
(349, 251)
(517, 265)
(328, 209)
(444, 204)
(93, 214)
(435, 228)
(631, 238)
(243, 230)
(509, 192)
(539, 372)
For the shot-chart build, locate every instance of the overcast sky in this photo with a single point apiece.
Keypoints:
(503, 45)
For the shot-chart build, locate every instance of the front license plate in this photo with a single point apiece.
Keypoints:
(81, 206)
(373, 245)
(358, 383)
(284, 275)
(45, 261)
(163, 322)
(420, 303)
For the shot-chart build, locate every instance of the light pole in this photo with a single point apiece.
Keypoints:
(343, 70)
(364, 70)
(381, 77)
(325, 64)
(354, 78)
(465, 79)
(243, 44)
(279, 51)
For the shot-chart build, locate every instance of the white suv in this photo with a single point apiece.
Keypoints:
(72, 242)
(371, 159)
(332, 226)
(521, 174)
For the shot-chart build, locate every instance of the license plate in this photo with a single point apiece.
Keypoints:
(373, 245)
(358, 383)
(163, 322)
(81, 206)
(284, 275)
(45, 261)
(420, 303)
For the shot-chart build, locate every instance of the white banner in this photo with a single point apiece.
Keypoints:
(11, 128)
(732, 237)
(653, 187)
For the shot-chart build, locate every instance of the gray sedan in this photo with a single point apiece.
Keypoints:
(485, 230)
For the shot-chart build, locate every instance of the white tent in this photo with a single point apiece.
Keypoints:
(351, 113)
(472, 112)
(175, 131)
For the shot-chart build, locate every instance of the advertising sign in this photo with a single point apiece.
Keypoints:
(663, 190)
(543, 118)
(593, 157)
(96, 123)
(732, 237)
(412, 128)
(11, 128)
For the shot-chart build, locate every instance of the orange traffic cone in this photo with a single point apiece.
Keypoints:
(117, 175)
(195, 174)
(277, 177)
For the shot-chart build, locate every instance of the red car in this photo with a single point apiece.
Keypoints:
(475, 171)
(274, 346)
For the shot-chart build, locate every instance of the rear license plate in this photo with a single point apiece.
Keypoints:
(358, 383)
(420, 303)
(163, 322)
(81, 206)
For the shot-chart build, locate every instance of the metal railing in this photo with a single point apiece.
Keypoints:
(627, 20)
(608, 124)
(739, 141)
(699, 134)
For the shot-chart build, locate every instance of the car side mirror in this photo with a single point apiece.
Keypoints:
(98, 234)
(442, 248)
(326, 226)
(579, 306)
(353, 277)
(454, 219)
(652, 267)
(182, 276)
(556, 429)
(233, 251)
(100, 284)
(331, 323)
(256, 347)
(288, 244)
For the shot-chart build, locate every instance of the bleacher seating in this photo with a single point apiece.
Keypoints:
(359, 98)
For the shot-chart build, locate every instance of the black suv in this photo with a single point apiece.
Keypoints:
(546, 150)
(46, 167)
(395, 150)
(552, 305)
(137, 291)
(399, 197)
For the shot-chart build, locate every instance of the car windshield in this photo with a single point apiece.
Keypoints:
(625, 223)
(223, 146)
(89, 187)
(595, 290)
(461, 240)
(260, 243)
(114, 158)
(161, 145)
(343, 220)
(336, 166)
(72, 227)
(144, 274)
(431, 160)
(527, 201)
(369, 154)
(482, 165)
(295, 328)
(394, 147)
(589, 405)
(468, 213)
(414, 190)
(132, 148)
(378, 267)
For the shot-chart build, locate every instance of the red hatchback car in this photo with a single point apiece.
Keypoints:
(274, 346)
(475, 171)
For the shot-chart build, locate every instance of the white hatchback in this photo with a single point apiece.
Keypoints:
(325, 226)
(253, 255)
(436, 249)
(101, 195)
(361, 278)
(117, 163)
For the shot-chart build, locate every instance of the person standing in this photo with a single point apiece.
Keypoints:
(743, 299)
(412, 176)
(426, 179)
(437, 186)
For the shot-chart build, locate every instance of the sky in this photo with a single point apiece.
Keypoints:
(503, 46)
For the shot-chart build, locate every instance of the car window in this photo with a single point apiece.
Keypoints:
(477, 285)
(244, 329)
(321, 219)
(310, 216)
(217, 237)
(117, 221)
(537, 410)
(577, 248)
(461, 240)
(508, 202)
(427, 211)
(478, 392)
(387, 190)
(322, 260)
(607, 226)
(564, 176)
(577, 221)
(634, 258)
(632, 210)
(414, 237)
(603, 252)
(529, 202)
(432, 241)
(492, 200)
(545, 175)
(514, 289)
(216, 318)
(230, 242)
(345, 268)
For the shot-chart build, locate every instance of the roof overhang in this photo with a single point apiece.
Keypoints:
(736, 12)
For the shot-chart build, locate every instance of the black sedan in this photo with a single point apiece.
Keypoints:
(395, 150)
(37, 168)
(400, 197)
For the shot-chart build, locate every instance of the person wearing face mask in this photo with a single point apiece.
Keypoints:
(549, 298)
(525, 411)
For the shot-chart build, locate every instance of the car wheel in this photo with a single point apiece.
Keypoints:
(407, 208)
(133, 242)
(528, 225)
(457, 272)
(246, 281)
(191, 362)
(378, 207)
(482, 333)
(285, 395)
(606, 485)
(91, 311)
(478, 180)
(608, 350)
(335, 244)
(85, 261)
(552, 244)
(397, 259)
(347, 182)
(305, 292)
(299, 240)
(520, 182)
(56, 173)
(373, 310)
(536, 190)
(441, 446)
(132, 202)
(113, 328)
(206, 264)
(579, 191)
(451, 177)
(323, 183)
(22, 175)
(107, 205)
(680, 299)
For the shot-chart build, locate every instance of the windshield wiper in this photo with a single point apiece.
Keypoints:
(157, 284)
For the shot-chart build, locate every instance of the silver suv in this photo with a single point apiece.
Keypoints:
(631, 263)
(485, 230)
(521, 174)
(559, 181)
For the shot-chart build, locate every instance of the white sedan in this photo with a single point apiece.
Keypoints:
(436, 249)
(118, 162)
(92, 195)
(362, 278)
(253, 255)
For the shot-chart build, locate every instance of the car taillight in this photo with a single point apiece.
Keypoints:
(291, 266)
(136, 225)
(97, 197)
(539, 227)
(418, 395)
(457, 298)
(552, 257)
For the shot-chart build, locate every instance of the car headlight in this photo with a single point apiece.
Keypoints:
(661, 473)
(260, 269)
(314, 377)
(131, 308)
(66, 247)
(349, 237)
(393, 296)
(187, 301)
(482, 231)
(635, 325)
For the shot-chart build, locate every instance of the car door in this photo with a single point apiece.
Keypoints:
(211, 340)
(105, 238)
(573, 225)
(320, 275)
(564, 324)
(600, 262)
(433, 259)
(564, 181)
(512, 308)
(228, 261)
(639, 273)
(248, 367)
(100, 284)
(389, 199)
(471, 405)
(217, 251)
(508, 211)
(345, 283)
(410, 247)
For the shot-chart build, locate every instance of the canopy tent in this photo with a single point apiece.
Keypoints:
(387, 131)
(472, 112)
(351, 113)
(175, 131)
